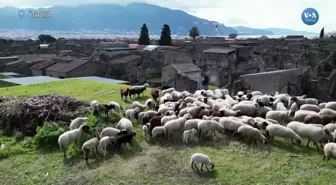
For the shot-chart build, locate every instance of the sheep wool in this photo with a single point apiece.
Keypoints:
(125, 124)
(104, 143)
(77, 122)
(195, 111)
(176, 125)
(191, 124)
(71, 136)
(142, 107)
(90, 146)
(252, 133)
(165, 119)
(329, 151)
(209, 125)
(329, 105)
(131, 113)
(145, 130)
(310, 107)
(117, 106)
(247, 109)
(282, 131)
(199, 158)
(280, 116)
(109, 131)
(158, 132)
(189, 135)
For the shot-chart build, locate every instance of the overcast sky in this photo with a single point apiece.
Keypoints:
(252, 13)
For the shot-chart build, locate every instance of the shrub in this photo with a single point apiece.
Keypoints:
(96, 123)
(15, 148)
(47, 136)
(233, 35)
(18, 136)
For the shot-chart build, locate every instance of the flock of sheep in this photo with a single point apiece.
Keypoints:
(182, 115)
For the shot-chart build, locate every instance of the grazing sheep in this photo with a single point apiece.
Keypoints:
(132, 114)
(294, 107)
(327, 111)
(105, 142)
(195, 111)
(123, 139)
(176, 125)
(310, 107)
(280, 116)
(151, 103)
(142, 107)
(145, 130)
(199, 158)
(281, 106)
(90, 146)
(137, 87)
(228, 112)
(311, 132)
(176, 95)
(331, 127)
(329, 105)
(125, 124)
(93, 105)
(158, 132)
(98, 108)
(148, 115)
(163, 109)
(329, 151)
(247, 109)
(77, 122)
(124, 93)
(167, 91)
(189, 135)
(282, 131)
(155, 122)
(231, 123)
(110, 131)
(209, 125)
(301, 114)
(251, 133)
(136, 92)
(300, 101)
(165, 119)
(71, 136)
(189, 99)
(155, 94)
(116, 106)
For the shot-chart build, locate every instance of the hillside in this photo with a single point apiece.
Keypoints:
(158, 162)
(116, 18)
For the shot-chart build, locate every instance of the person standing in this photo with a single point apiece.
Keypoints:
(205, 82)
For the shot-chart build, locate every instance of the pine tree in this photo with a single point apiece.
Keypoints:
(165, 39)
(144, 36)
(322, 33)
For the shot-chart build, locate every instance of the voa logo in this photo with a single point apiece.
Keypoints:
(310, 16)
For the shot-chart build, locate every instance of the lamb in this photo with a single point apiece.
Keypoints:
(195, 111)
(116, 106)
(176, 125)
(154, 122)
(155, 94)
(124, 93)
(124, 139)
(280, 116)
(294, 107)
(300, 101)
(132, 114)
(311, 132)
(191, 124)
(145, 130)
(90, 146)
(329, 151)
(281, 106)
(228, 112)
(165, 119)
(252, 133)
(77, 122)
(142, 107)
(110, 131)
(105, 142)
(330, 105)
(71, 136)
(170, 90)
(209, 125)
(125, 124)
(199, 158)
(301, 114)
(151, 103)
(158, 132)
(282, 131)
(310, 107)
(247, 109)
(189, 135)
(231, 123)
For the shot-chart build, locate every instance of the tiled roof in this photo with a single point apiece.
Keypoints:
(63, 67)
(186, 67)
(43, 64)
(225, 51)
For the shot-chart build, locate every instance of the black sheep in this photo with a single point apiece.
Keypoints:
(124, 139)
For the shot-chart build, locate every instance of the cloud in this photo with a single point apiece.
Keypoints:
(254, 13)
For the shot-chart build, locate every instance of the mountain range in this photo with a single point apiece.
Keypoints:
(124, 19)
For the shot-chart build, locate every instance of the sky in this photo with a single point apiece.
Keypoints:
(252, 13)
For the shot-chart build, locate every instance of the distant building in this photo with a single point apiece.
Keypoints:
(295, 37)
(185, 76)
(243, 52)
(39, 68)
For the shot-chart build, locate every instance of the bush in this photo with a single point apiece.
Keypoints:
(47, 136)
(46, 38)
(233, 35)
(18, 136)
(96, 123)
(13, 147)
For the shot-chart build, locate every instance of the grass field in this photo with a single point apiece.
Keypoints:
(158, 163)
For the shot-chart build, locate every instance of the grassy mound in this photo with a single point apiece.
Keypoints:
(154, 162)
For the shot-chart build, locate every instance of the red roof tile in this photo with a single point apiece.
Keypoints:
(64, 67)
(43, 64)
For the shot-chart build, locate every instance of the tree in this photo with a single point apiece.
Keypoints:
(46, 38)
(193, 33)
(233, 35)
(165, 39)
(144, 36)
(322, 33)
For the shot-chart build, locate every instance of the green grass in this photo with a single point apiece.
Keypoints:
(158, 79)
(158, 163)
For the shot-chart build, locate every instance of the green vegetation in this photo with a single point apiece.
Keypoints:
(3, 76)
(156, 79)
(46, 38)
(144, 35)
(154, 162)
(193, 33)
(165, 39)
(233, 35)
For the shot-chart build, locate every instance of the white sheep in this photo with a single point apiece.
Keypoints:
(202, 104)
(105, 142)
(229, 112)
(71, 136)
(90, 146)
(150, 113)
(163, 109)
(256, 93)
(195, 111)
(231, 123)
(150, 103)
(247, 109)
(310, 107)
(170, 90)
(199, 158)
(191, 124)
(165, 119)
(300, 101)
(205, 117)
(131, 113)
(331, 127)
(136, 87)
(273, 130)
(251, 133)
(329, 151)
(281, 106)
(158, 131)
(189, 99)
(93, 105)
(327, 111)
(330, 105)
(117, 107)
(205, 126)
(311, 132)
(301, 114)
(280, 116)
(125, 124)
(322, 105)
(145, 130)
(186, 94)
(176, 125)
(176, 95)
(141, 106)
(189, 135)
(77, 122)
(109, 131)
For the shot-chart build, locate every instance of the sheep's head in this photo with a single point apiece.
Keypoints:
(238, 113)
(271, 99)
(85, 128)
(249, 96)
(188, 116)
(291, 113)
(221, 113)
(146, 85)
(264, 125)
(295, 99)
(122, 132)
(326, 132)
(84, 119)
(260, 103)
(159, 114)
(202, 107)
(133, 134)
(298, 141)
(211, 166)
